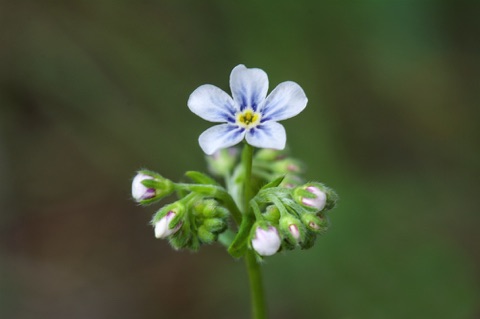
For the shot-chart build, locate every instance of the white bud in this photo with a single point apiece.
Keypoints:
(161, 227)
(266, 241)
(318, 202)
(139, 191)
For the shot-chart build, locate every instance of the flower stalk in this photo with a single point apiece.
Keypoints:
(257, 297)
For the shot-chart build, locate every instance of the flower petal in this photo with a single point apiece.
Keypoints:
(249, 86)
(267, 135)
(285, 101)
(212, 104)
(220, 136)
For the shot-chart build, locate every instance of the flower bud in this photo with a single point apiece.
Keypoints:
(148, 186)
(205, 235)
(317, 224)
(287, 165)
(312, 196)
(268, 154)
(163, 228)
(139, 191)
(205, 208)
(266, 242)
(222, 161)
(215, 225)
(292, 181)
(292, 229)
(272, 214)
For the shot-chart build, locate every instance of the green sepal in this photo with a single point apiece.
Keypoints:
(287, 245)
(285, 222)
(332, 198)
(177, 207)
(181, 239)
(214, 225)
(205, 208)
(309, 240)
(221, 212)
(315, 223)
(201, 178)
(272, 214)
(153, 183)
(240, 244)
(274, 183)
(205, 236)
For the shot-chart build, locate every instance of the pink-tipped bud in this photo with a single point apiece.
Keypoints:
(139, 191)
(162, 228)
(266, 241)
(318, 202)
(293, 229)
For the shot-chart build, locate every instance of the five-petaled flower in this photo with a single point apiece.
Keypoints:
(251, 114)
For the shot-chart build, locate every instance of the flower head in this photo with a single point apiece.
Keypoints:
(250, 114)
(266, 241)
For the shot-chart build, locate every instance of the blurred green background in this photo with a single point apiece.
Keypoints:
(91, 91)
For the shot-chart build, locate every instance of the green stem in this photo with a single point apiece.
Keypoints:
(253, 267)
(257, 298)
(247, 159)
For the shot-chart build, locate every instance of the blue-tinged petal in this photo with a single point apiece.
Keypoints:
(220, 136)
(267, 135)
(285, 101)
(212, 104)
(249, 86)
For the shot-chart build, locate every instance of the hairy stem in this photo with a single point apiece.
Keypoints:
(253, 267)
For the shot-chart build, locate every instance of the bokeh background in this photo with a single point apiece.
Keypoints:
(91, 91)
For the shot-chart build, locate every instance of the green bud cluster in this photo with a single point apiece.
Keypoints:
(199, 215)
(289, 211)
(286, 213)
(197, 220)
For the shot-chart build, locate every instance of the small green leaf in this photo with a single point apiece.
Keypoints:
(239, 245)
(274, 183)
(201, 178)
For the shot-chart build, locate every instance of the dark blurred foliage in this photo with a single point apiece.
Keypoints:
(90, 91)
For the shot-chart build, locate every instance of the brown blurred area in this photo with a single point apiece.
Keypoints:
(92, 91)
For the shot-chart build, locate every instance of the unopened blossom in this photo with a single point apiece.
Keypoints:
(139, 191)
(319, 199)
(250, 114)
(293, 229)
(266, 242)
(162, 228)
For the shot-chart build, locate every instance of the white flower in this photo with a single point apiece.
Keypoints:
(139, 191)
(162, 229)
(318, 202)
(266, 241)
(250, 114)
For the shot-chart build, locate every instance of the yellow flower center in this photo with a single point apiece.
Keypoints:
(248, 118)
